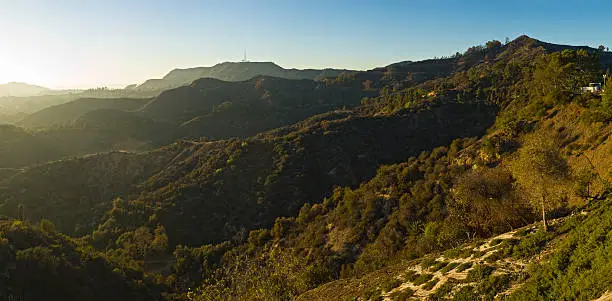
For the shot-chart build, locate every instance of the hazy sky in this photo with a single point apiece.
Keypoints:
(86, 43)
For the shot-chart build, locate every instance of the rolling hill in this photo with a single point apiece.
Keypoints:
(21, 89)
(419, 179)
(231, 71)
(64, 114)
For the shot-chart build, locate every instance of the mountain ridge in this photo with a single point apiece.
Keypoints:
(232, 71)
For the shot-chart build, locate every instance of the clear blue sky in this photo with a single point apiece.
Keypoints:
(85, 43)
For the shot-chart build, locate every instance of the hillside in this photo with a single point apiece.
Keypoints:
(437, 200)
(231, 71)
(64, 114)
(62, 269)
(515, 265)
(19, 147)
(449, 159)
(95, 132)
(217, 109)
(21, 89)
(208, 108)
(76, 194)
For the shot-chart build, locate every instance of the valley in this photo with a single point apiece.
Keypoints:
(483, 175)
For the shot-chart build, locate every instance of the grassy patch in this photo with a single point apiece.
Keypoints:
(372, 293)
(580, 266)
(390, 284)
(521, 233)
(429, 285)
(403, 295)
(444, 290)
(479, 273)
(439, 265)
(531, 244)
(495, 256)
(495, 242)
(466, 293)
(422, 279)
(449, 267)
(411, 275)
(427, 262)
(458, 252)
(493, 285)
(463, 267)
(479, 243)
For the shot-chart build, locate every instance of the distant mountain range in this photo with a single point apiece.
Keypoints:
(231, 71)
(21, 89)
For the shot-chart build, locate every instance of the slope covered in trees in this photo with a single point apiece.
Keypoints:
(208, 108)
(64, 114)
(38, 263)
(449, 196)
(432, 160)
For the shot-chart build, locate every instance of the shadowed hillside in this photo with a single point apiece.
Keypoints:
(230, 71)
(382, 184)
(65, 114)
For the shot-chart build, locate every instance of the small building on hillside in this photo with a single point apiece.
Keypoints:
(593, 88)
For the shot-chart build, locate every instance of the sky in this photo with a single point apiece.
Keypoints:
(92, 43)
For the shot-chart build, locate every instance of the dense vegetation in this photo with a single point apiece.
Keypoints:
(60, 268)
(438, 154)
(206, 109)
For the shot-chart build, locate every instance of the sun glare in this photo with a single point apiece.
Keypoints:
(9, 72)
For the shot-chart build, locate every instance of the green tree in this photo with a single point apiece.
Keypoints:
(160, 240)
(47, 226)
(486, 201)
(540, 171)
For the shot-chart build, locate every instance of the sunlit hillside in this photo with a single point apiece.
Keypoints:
(305, 150)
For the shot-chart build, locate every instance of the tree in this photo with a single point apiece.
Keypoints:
(47, 226)
(493, 44)
(540, 171)
(486, 201)
(160, 240)
(601, 48)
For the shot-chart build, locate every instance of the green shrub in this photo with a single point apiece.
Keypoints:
(427, 262)
(466, 293)
(390, 284)
(531, 244)
(463, 267)
(439, 265)
(422, 279)
(580, 266)
(449, 267)
(493, 285)
(496, 242)
(443, 290)
(521, 233)
(402, 295)
(495, 256)
(479, 272)
(429, 285)
(458, 252)
(372, 293)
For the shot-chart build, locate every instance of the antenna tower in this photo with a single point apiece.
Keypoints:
(244, 60)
